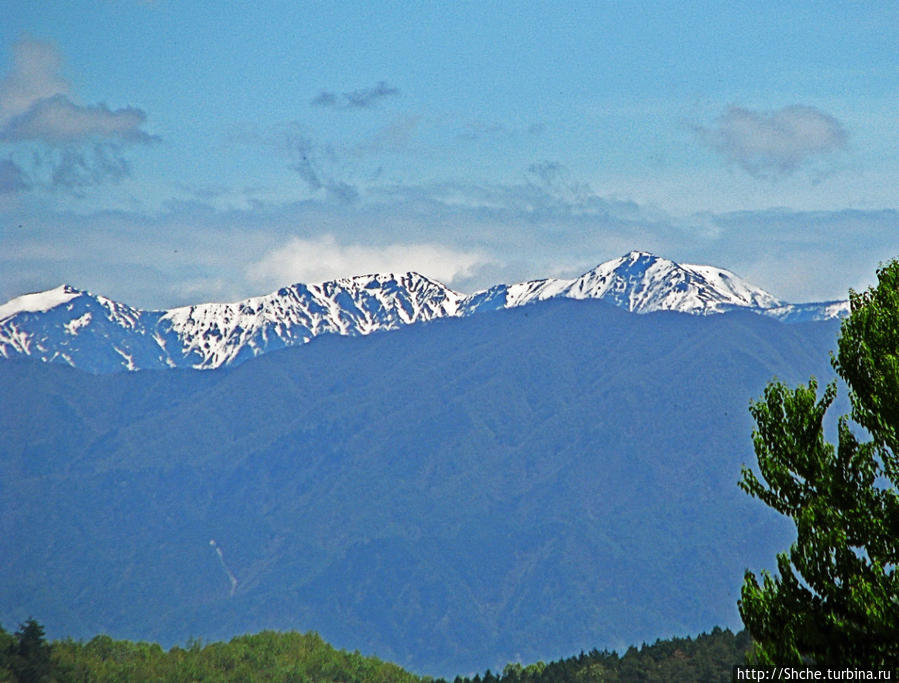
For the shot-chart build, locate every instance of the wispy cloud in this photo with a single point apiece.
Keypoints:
(75, 168)
(57, 120)
(548, 192)
(324, 258)
(35, 75)
(302, 150)
(556, 181)
(774, 143)
(365, 98)
(325, 98)
(807, 255)
(476, 130)
(12, 178)
(79, 145)
(396, 136)
(320, 166)
(311, 161)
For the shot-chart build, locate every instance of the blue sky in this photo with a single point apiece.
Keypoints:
(164, 153)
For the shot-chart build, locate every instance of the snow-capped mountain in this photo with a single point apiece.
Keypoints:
(211, 335)
(96, 334)
(642, 283)
(81, 329)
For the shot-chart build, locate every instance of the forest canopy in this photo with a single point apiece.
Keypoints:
(291, 656)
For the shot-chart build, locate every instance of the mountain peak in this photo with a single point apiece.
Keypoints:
(39, 302)
(642, 282)
(409, 278)
(638, 255)
(633, 262)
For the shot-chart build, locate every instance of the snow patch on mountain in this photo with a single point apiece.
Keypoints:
(827, 310)
(38, 302)
(76, 324)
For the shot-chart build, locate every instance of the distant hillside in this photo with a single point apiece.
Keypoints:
(512, 486)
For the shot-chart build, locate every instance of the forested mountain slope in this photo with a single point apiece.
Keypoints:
(516, 485)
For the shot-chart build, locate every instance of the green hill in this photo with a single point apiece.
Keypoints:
(291, 656)
(265, 656)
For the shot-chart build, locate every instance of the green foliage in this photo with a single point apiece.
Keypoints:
(836, 598)
(25, 656)
(709, 657)
(266, 656)
(7, 648)
(306, 658)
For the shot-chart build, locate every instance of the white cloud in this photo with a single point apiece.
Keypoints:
(12, 178)
(57, 119)
(323, 258)
(72, 146)
(776, 142)
(397, 136)
(36, 103)
(35, 75)
(365, 98)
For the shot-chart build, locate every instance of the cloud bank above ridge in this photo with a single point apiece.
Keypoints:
(323, 258)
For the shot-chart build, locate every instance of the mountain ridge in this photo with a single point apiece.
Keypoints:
(515, 485)
(97, 334)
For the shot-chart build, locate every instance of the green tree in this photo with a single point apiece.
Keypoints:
(30, 656)
(836, 599)
(7, 651)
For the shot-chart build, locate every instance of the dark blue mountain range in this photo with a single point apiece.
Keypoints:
(520, 484)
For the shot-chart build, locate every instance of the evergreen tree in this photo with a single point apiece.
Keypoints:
(836, 598)
(30, 660)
